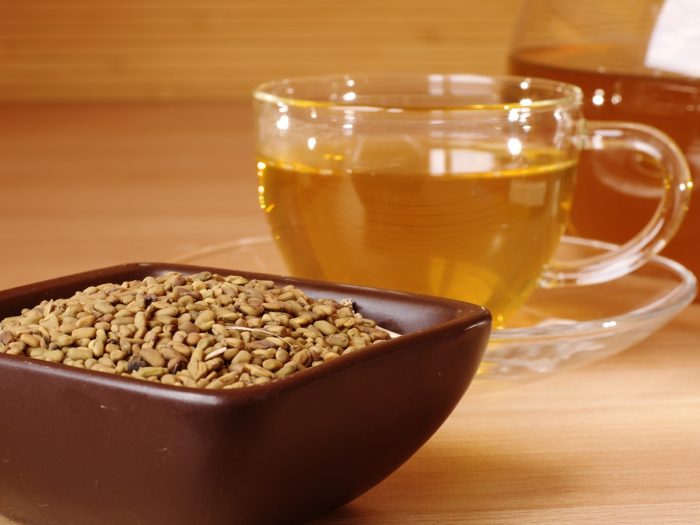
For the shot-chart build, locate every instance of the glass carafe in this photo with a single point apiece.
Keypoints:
(636, 60)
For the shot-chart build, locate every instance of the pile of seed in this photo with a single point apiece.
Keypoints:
(203, 330)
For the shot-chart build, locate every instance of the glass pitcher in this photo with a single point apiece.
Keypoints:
(636, 60)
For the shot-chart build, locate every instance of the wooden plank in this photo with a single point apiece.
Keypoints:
(202, 50)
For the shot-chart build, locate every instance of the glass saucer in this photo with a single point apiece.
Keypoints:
(556, 329)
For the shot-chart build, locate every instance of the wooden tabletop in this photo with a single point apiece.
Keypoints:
(94, 184)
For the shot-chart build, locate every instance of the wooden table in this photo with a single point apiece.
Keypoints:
(90, 185)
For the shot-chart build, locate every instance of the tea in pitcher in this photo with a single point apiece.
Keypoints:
(626, 185)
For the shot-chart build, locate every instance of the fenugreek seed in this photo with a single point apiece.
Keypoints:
(348, 322)
(219, 330)
(214, 364)
(272, 364)
(122, 321)
(6, 337)
(233, 342)
(195, 367)
(325, 327)
(328, 356)
(104, 307)
(121, 367)
(287, 295)
(33, 317)
(188, 382)
(282, 355)
(168, 352)
(90, 362)
(205, 320)
(249, 309)
(79, 353)
(140, 320)
(274, 306)
(182, 348)
(243, 357)
(64, 340)
(99, 367)
(177, 364)
(315, 353)
(123, 312)
(97, 346)
(201, 276)
(217, 383)
(287, 370)
(294, 307)
(230, 353)
(153, 357)
(263, 353)
(168, 379)
(36, 352)
(169, 311)
(341, 340)
(155, 289)
(30, 340)
(117, 355)
(258, 371)
(15, 348)
(263, 344)
(106, 361)
(202, 344)
(277, 330)
(55, 356)
(85, 332)
(302, 358)
(86, 320)
(151, 371)
(224, 314)
(185, 300)
(198, 306)
(324, 310)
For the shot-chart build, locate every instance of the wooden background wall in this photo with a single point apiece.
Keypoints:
(214, 49)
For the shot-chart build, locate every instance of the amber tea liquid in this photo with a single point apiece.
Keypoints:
(477, 236)
(671, 103)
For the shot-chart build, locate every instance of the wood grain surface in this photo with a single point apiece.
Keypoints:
(93, 184)
(158, 49)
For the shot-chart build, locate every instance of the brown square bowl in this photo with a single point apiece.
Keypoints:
(81, 447)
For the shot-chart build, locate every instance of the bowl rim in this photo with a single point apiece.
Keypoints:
(466, 316)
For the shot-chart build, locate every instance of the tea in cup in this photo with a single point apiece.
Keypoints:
(457, 186)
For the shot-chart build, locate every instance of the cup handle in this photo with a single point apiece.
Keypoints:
(677, 188)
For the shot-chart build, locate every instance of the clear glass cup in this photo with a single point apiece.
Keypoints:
(449, 185)
(636, 60)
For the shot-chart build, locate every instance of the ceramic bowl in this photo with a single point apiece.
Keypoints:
(84, 448)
